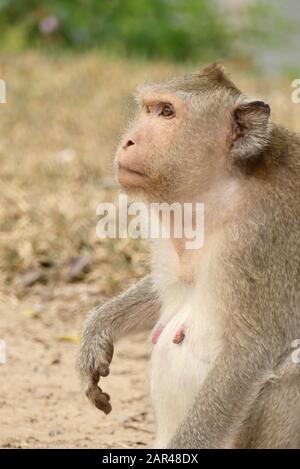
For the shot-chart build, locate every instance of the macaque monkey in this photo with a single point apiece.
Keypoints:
(224, 316)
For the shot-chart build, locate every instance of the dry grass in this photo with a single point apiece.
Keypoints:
(59, 129)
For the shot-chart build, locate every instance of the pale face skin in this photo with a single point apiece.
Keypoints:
(141, 157)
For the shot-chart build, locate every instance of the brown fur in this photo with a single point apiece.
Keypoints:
(219, 139)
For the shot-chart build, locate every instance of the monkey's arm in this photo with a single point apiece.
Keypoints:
(134, 310)
(215, 417)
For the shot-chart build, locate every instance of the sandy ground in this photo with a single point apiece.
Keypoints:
(41, 404)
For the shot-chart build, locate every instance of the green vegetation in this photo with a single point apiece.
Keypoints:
(176, 30)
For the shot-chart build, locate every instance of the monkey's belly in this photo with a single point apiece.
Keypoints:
(178, 371)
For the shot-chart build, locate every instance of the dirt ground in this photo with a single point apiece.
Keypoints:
(41, 404)
(59, 129)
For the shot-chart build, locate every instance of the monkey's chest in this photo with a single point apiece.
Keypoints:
(184, 352)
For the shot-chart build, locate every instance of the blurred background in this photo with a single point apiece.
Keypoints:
(70, 68)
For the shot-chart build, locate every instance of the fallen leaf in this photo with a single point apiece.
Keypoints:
(33, 312)
(74, 339)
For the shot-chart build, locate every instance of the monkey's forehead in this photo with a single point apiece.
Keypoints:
(190, 83)
(157, 92)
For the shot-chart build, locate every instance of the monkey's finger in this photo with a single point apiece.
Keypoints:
(103, 370)
(93, 378)
(102, 402)
(99, 398)
(106, 395)
(103, 405)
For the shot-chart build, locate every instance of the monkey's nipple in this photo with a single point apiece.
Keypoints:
(156, 334)
(180, 335)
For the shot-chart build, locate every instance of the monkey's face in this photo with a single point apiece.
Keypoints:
(169, 150)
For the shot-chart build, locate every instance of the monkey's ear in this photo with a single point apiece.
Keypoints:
(249, 129)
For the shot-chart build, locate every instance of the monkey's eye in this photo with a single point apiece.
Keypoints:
(167, 110)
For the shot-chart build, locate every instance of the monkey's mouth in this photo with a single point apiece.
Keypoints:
(122, 167)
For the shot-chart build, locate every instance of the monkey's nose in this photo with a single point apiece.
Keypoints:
(128, 143)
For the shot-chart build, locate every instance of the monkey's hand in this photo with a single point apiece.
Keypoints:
(134, 310)
(95, 357)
